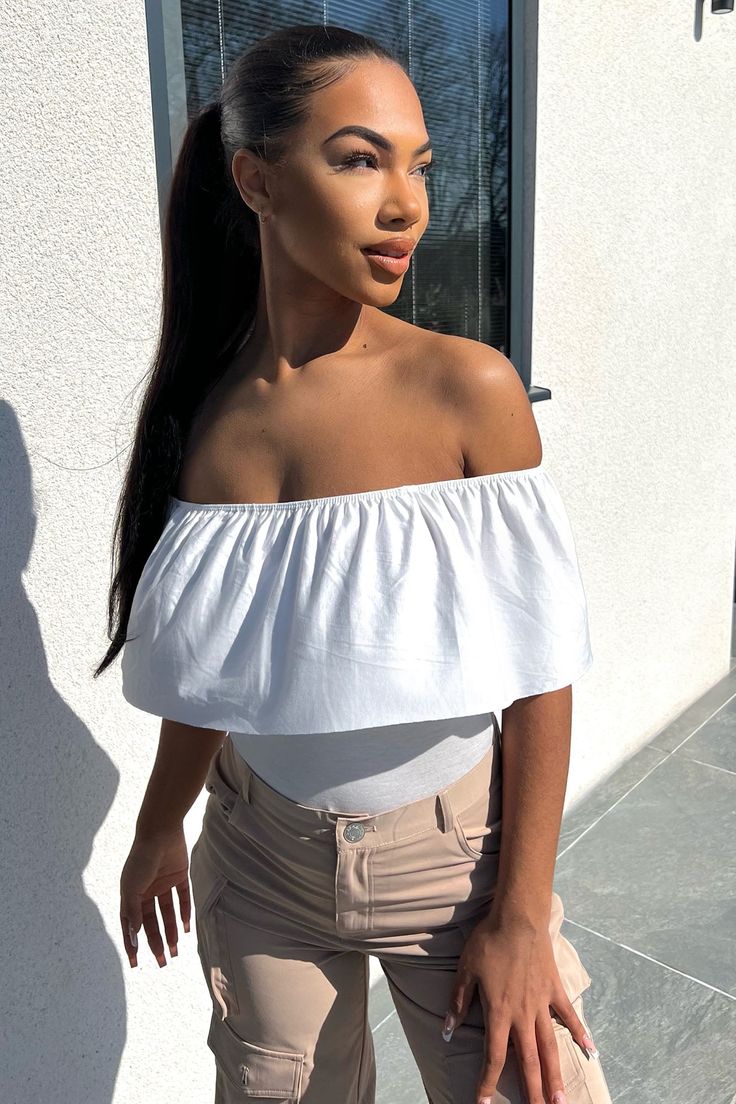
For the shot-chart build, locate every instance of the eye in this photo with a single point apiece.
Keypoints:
(357, 155)
(360, 155)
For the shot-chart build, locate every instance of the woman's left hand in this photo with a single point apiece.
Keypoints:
(512, 964)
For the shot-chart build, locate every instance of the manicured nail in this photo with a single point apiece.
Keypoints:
(449, 1026)
(590, 1047)
(173, 950)
(133, 936)
(559, 1098)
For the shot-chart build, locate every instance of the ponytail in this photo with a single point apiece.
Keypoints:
(211, 272)
(211, 268)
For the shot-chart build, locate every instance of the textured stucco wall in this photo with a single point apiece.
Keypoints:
(634, 333)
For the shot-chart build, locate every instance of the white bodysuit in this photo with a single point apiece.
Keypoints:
(360, 648)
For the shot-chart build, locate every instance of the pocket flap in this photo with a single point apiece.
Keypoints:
(255, 1070)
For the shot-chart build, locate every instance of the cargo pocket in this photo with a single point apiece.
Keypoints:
(254, 1070)
(573, 974)
(571, 1058)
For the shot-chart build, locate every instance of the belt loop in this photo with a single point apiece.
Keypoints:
(447, 814)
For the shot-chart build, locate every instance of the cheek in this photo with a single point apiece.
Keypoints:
(322, 235)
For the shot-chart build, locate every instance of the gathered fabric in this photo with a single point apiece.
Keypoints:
(404, 604)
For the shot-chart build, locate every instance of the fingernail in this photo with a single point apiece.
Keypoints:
(590, 1047)
(485, 1100)
(559, 1098)
(449, 1026)
(173, 951)
(133, 936)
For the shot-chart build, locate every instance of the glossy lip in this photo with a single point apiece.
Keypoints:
(395, 265)
(393, 247)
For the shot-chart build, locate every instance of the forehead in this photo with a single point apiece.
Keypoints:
(373, 93)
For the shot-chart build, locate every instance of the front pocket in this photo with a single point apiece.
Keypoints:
(255, 1070)
(222, 791)
(208, 888)
(207, 881)
(478, 834)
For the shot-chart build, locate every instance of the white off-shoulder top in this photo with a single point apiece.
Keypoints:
(403, 606)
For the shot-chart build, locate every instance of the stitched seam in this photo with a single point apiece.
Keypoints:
(361, 1066)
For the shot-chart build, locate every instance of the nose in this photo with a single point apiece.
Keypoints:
(403, 203)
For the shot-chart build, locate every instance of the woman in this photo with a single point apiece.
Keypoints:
(341, 562)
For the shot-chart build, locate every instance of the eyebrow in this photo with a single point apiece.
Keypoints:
(376, 138)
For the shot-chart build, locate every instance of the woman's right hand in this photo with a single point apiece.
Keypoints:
(156, 863)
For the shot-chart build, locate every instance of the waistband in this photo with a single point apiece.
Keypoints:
(234, 783)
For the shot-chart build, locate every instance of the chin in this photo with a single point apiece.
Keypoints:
(380, 295)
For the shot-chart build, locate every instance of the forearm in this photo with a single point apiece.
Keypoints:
(182, 761)
(535, 762)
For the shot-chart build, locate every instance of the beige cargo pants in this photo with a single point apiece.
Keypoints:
(291, 900)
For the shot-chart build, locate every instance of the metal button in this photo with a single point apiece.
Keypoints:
(354, 832)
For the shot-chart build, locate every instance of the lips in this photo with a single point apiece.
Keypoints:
(391, 247)
(397, 266)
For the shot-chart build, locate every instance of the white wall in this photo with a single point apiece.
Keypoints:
(634, 333)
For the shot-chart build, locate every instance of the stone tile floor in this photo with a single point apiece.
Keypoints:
(646, 869)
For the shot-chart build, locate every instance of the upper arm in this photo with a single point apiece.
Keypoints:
(496, 427)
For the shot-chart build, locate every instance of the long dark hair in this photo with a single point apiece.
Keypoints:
(211, 272)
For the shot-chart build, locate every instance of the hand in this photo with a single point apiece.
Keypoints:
(512, 964)
(156, 863)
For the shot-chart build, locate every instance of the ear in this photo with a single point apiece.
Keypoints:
(249, 173)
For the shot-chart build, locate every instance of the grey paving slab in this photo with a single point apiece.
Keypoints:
(606, 794)
(696, 714)
(715, 741)
(380, 1004)
(657, 873)
(661, 1036)
(397, 1077)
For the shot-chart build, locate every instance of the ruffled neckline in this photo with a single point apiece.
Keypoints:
(409, 490)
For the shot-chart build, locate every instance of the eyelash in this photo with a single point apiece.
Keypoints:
(366, 155)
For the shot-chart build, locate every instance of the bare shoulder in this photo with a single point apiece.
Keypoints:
(495, 422)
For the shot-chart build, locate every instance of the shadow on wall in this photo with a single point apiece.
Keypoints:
(63, 997)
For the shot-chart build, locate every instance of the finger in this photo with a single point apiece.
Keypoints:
(496, 1053)
(527, 1055)
(150, 925)
(549, 1059)
(166, 906)
(130, 939)
(185, 903)
(458, 1004)
(130, 922)
(565, 1012)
